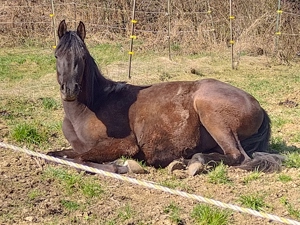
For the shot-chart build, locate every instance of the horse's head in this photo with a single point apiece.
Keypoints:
(70, 56)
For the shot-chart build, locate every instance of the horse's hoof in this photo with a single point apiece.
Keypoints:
(134, 167)
(118, 162)
(175, 165)
(198, 157)
(195, 168)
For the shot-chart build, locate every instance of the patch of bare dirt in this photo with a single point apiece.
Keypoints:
(22, 176)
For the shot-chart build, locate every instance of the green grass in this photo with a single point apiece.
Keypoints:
(284, 178)
(278, 144)
(219, 175)
(50, 103)
(207, 215)
(105, 54)
(34, 194)
(174, 183)
(254, 202)
(255, 175)
(20, 64)
(125, 213)
(91, 189)
(29, 133)
(70, 205)
(290, 208)
(74, 182)
(293, 160)
(173, 211)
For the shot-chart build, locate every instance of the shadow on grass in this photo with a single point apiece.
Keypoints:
(280, 146)
(292, 153)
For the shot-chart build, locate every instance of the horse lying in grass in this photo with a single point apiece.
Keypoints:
(205, 121)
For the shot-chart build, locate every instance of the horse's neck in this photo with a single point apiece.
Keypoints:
(93, 85)
(73, 109)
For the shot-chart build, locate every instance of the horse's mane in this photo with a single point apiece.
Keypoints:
(98, 86)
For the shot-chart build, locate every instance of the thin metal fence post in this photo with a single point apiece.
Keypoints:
(278, 21)
(52, 15)
(231, 17)
(169, 28)
(132, 36)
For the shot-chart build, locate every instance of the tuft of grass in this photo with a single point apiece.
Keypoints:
(206, 215)
(174, 183)
(165, 76)
(33, 194)
(293, 160)
(70, 205)
(296, 138)
(255, 175)
(174, 213)
(69, 181)
(91, 189)
(279, 122)
(219, 175)
(284, 178)
(50, 103)
(125, 213)
(253, 201)
(28, 133)
(291, 209)
(75, 182)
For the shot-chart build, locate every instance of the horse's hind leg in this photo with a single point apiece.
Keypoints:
(226, 140)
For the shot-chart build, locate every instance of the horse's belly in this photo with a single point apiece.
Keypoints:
(167, 135)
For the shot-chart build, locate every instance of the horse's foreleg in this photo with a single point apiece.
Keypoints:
(109, 150)
(65, 153)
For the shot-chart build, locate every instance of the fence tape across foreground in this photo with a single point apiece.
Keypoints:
(152, 185)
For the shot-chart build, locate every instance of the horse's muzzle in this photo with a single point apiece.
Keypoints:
(69, 92)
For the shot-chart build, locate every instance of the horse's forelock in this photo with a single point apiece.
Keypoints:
(71, 41)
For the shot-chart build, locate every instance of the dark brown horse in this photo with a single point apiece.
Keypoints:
(159, 123)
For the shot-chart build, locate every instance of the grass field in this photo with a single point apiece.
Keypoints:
(31, 115)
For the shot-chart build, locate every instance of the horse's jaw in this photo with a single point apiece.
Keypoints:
(68, 98)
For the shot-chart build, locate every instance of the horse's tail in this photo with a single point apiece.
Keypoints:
(257, 147)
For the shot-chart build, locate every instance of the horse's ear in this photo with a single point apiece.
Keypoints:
(81, 30)
(62, 29)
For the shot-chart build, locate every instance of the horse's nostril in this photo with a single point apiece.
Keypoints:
(77, 87)
(62, 87)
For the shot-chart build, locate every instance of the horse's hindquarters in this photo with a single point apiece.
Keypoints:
(222, 106)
